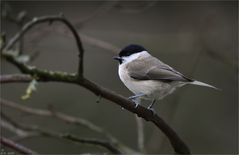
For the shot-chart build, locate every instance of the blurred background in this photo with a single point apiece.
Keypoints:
(199, 39)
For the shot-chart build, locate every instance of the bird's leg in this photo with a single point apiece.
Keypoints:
(150, 107)
(136, 99)
(137, 102)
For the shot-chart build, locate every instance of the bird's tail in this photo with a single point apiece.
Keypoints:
(203, 84)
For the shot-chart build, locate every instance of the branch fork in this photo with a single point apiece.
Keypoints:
(44, 75)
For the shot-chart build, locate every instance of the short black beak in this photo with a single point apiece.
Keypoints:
(117, 58)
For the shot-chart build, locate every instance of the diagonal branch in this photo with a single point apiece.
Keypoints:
(46, 133)
(101, 143)
(13, 78)
(13, 145)
(68, 119)
(47, 113)
(44, 75)
(11, 127)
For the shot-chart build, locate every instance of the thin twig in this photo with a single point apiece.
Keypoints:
(42, 132)
(48, 113)
(73, 138)
(44, 75)
(68, 119)
(12, 78)
(101, 143)
(77, 23)
(100, 43)
(61, 116)
(105, 7)
(10, 125)
(18, 147)
(50, 19)
(12, 128)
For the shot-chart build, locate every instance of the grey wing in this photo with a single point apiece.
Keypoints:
(153, 69)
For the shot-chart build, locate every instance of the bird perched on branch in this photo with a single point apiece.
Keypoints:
(148, 77)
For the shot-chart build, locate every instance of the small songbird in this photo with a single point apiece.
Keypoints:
(148, 77)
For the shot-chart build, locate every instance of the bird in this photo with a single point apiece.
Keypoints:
(148, 77)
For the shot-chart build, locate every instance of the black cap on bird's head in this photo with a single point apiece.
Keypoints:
(129, 50)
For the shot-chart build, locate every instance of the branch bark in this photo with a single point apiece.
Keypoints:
(44, 75)
(50, 19)
(12, 78)
(104, 144)
(68, 119)
(15, 146)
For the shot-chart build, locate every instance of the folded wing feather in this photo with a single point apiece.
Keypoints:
(150, 68)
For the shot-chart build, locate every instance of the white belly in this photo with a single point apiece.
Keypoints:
(151, 88)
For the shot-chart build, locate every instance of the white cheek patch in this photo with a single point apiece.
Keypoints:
(134, 56)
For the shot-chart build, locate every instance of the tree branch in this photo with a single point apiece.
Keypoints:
(101, 143)
(68, 119)
(48, 113)
(19, 132)
(73, 138)
(12, 78)
(50, 19)
(15, 146)
(44, 75)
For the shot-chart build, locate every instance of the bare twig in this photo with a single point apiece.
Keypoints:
(77, 23)
(68, 119)
(10, 125)
(18, 147)
(48, 113)
(50, 19)
(12, 78)
(20, 133)
(58, 115)
(44, 75)
(105, 7)
(101, 143)
(12, 128)
(100, 43)
(96, 142)
(86, 38)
